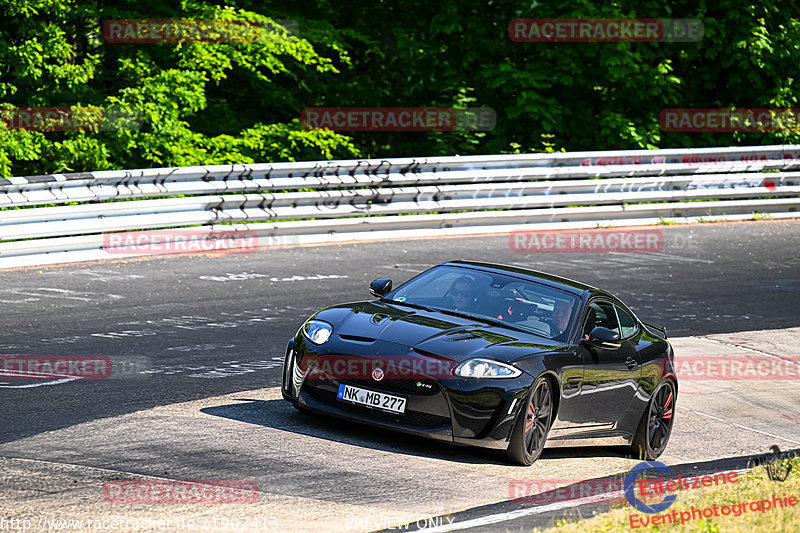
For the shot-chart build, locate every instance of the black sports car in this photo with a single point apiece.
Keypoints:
(493, 356)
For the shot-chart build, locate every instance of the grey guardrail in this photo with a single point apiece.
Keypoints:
(313, 202)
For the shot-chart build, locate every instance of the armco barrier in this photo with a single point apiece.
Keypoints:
(313, 202)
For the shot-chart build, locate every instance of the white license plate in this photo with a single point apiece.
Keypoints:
(378, 400)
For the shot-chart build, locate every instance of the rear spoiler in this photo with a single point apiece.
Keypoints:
(661, 331)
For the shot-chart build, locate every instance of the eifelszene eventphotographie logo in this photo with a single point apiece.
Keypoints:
(630, 481)
(650, 489)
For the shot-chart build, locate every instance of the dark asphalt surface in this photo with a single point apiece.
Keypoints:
(210, 325)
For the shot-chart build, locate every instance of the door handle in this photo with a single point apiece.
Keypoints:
(630, 362)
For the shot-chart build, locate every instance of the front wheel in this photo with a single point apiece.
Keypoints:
(530, 432)
(656, 424)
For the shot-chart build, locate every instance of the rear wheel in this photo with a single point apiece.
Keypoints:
(530, 432)
(656, 424)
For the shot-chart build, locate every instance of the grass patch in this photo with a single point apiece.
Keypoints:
(753, 486)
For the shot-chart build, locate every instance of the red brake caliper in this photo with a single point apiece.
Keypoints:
(667, 413)
(529, 423)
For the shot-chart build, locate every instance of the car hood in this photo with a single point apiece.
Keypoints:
(429, 332)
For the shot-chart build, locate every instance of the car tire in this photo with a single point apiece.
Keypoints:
(533, 423)
(656, 424)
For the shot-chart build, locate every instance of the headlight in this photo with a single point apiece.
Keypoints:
(486, 368)
(317, 331)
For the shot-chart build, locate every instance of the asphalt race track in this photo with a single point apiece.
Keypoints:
(204, 336)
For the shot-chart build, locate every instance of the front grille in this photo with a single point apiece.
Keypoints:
(414, 418)
(425, 387)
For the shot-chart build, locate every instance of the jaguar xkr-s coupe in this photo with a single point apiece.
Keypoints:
(492, 356)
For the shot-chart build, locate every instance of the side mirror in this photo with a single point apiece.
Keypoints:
(380, 287)
(601, 337)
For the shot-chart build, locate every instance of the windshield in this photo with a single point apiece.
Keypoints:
(522, 304)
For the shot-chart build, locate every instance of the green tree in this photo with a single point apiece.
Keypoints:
(210, 103)
(199, 102)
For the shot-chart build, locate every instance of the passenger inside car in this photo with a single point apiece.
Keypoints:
(562, 311)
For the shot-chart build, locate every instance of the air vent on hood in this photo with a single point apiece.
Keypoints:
(356, 338)
(427, 353)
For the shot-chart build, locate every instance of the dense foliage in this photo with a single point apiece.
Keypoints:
(239, 102)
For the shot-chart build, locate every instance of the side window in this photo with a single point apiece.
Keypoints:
(600, 314)
(626, 322)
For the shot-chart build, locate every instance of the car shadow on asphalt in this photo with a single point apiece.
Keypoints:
(279, 414)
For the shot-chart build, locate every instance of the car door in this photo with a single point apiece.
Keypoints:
(611, 375)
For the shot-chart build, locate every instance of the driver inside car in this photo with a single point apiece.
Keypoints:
(463, 295)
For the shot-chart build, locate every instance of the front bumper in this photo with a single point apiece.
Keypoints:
(474, 412)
